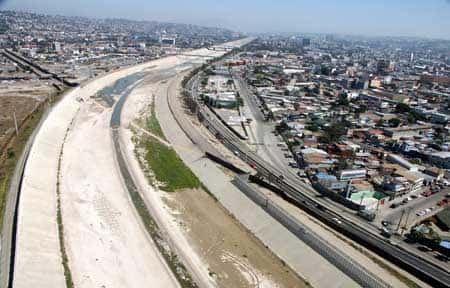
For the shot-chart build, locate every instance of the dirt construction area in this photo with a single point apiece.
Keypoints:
(235, 258)
(22, 98)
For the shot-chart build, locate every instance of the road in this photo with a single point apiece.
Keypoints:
(104, 238)
(301, 194)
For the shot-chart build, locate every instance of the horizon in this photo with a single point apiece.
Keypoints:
(425, 21)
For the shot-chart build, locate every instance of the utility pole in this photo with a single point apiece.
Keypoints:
(15, 123)
(348, 189)
(405, 226)
(400, 221)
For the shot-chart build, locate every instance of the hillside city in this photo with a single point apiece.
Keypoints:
(138, 152)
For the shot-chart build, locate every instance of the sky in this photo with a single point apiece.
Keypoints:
(423, 18)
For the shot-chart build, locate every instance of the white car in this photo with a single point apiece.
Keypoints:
(337, 220)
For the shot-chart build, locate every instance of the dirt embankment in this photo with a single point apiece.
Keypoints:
(235, 257)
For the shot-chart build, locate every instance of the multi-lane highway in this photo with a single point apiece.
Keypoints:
(299, 192)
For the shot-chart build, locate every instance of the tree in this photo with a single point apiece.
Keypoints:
(325, 70)
(362, 109)
(313, 127)
(394, 122)
(413, 116)
(380, 123)
(402, 108)
(343, 99)
(334, 132)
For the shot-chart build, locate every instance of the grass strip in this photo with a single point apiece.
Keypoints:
(153, 123)
(169, 170)
(62, 246)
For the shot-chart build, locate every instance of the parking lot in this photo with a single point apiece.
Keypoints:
(413, 208)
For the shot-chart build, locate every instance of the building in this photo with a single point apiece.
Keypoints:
(441, 159)
(222, 99)
(382, 66)
(405, 132)
(439, 118)
(403, 162)
(168, 41)
(306, 42)
(314, 158)
(352, 174)
(415, 181)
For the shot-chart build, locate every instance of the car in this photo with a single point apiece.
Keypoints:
(394, 205)
(385, 223)
(293, 164)
(428, 210)
(414, 196)
(385, 232)
(337, 220)
(301, 173)
(427, 193)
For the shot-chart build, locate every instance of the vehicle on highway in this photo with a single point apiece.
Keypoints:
(293, 164)
(337, 220)
(385, 232)
(386, 223)
(288, 155)
(421, 213)
(301, 173)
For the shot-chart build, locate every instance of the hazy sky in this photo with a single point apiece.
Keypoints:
(429, 18)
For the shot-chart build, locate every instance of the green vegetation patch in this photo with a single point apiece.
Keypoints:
(168, 169)
(153, 123)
